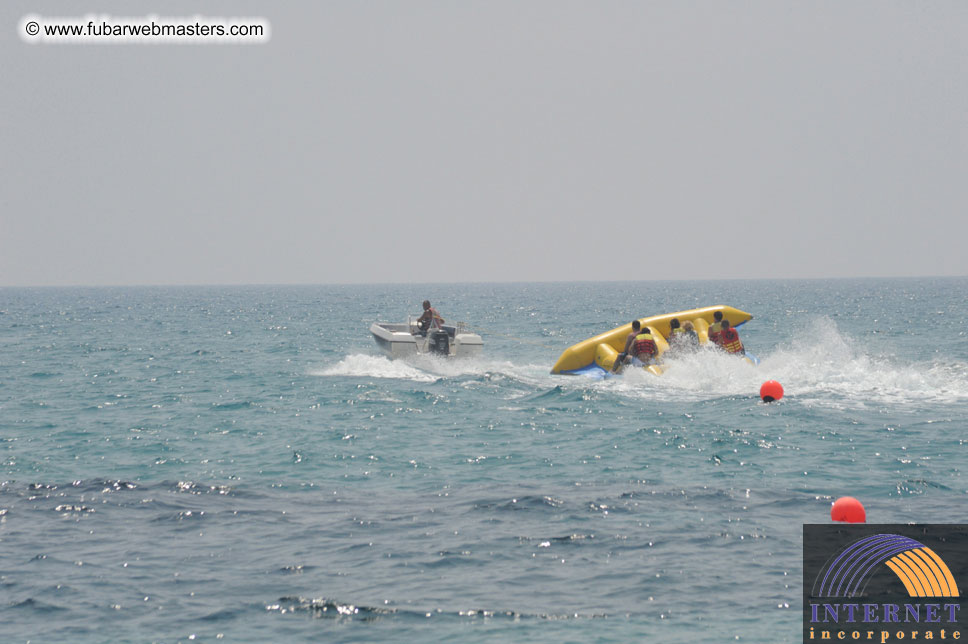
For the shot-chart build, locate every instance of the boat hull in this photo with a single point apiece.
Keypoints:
(400, 341)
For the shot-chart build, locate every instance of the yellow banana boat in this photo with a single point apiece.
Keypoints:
(596, 356)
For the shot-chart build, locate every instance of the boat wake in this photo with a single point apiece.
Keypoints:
(822, 367)
(366, 366)
(430, 368)
(825, 363)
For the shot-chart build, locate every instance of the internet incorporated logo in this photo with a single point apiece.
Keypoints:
(883, 586)
(922, 572)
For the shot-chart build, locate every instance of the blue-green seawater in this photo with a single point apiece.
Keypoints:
(243, 465)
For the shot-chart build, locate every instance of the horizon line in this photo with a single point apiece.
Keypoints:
(481, 283)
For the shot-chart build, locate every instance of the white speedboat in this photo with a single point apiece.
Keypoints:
(406, 339)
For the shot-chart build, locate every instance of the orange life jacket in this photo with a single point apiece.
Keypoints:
(644, 345)
(729, 341)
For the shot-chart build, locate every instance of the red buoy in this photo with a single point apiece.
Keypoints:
(771, 390)
(849, 510)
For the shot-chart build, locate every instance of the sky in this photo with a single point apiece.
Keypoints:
(490, 141)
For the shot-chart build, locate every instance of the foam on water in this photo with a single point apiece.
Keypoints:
(428, 368)
(825, 365)
(366, 366)
(821, 367)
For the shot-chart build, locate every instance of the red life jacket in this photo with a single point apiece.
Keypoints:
(644, 345)
(729, 340)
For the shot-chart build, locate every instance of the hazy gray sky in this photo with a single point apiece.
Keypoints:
(519, 140)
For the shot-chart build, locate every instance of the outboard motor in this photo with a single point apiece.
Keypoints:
(439, 342)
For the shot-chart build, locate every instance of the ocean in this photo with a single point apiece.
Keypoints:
(242, 464)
